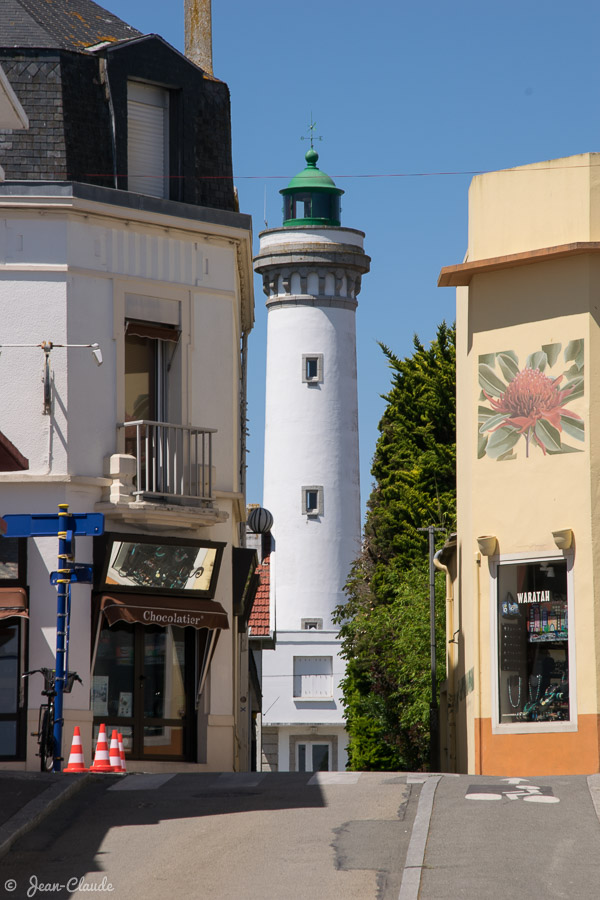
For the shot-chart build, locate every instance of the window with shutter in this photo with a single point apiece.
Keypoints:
(313, 677)
(147, 139)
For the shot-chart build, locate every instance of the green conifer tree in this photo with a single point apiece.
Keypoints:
(384, 623)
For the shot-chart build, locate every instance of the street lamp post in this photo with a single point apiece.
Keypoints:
(434, 710)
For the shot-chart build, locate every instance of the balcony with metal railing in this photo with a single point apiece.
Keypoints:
(173, 463)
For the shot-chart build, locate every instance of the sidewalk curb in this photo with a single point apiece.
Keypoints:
(38, 808)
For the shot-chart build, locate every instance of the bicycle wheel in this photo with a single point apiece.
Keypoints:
(47, 742)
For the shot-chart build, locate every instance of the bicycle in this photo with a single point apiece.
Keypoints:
(45, 732)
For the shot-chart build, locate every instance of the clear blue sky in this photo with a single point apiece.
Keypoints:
(401, 93)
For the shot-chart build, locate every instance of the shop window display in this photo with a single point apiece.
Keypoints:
(533, 650)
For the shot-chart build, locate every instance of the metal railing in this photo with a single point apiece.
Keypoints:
(172, 461)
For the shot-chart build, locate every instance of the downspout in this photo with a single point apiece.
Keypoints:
(479, 769)
(113, 130)
(243, 424)
(237, 649)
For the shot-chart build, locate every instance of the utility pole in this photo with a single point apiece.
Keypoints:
(434, 710)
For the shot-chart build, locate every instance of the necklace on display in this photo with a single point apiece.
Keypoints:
(537, 692)
(511, 681)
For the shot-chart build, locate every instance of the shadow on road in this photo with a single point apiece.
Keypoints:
(68, 844)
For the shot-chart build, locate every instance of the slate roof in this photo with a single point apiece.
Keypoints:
(260, 617)
(59, 24)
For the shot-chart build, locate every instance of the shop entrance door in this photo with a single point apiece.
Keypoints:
(144, 687)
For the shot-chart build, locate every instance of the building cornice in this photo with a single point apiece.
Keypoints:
(232, 228)
(461, 275)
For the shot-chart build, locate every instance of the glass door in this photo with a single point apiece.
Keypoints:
(143, 685)
(314, 757)
(162, 686)
(9, 688)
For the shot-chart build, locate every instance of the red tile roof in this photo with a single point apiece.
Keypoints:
(260, 617)
(11, 460)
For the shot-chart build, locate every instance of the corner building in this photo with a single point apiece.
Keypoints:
(312, 269)
(524, 600)
(119, 227)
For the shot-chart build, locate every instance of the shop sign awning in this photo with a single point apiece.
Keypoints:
(13, 602)
(156, 610)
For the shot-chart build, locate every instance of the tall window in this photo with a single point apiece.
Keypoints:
(533, 646)
(148, 352)
(147, 139)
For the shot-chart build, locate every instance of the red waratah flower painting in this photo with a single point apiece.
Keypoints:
(528, 404)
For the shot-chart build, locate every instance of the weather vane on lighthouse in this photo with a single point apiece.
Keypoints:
(311, 136)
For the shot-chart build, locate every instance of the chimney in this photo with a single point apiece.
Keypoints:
(198, 33)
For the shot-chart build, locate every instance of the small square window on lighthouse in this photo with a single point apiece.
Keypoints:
(312, 500)
(312, 368)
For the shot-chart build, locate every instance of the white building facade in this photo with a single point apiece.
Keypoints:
(311, 270)
(160, 282)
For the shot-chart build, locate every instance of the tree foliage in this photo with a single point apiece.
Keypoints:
(384, 624)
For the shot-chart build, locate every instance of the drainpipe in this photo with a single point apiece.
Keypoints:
(243, 425)
(198, 33)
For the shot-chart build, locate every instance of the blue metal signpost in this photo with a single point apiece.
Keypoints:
(65, 526)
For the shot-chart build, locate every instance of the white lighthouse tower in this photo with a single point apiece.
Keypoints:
(312, 269)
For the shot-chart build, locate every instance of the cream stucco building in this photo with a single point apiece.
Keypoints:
(523, 689)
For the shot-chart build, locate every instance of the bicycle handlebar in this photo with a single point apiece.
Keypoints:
(52, 672)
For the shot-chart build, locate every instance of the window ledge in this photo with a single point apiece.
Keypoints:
(540, 728)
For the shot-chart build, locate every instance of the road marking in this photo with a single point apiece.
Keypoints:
(334, 778)
(413, 864)
(515, 790)
(141, 782)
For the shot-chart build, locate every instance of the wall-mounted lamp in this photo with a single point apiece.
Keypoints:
(47, 346)
(563, 538)
(488, 544)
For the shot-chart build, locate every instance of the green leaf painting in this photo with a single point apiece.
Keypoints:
(528, 408)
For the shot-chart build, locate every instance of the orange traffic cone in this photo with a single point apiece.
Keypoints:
(76, 762)
(115, 756)
(122, 753)
(101, 759)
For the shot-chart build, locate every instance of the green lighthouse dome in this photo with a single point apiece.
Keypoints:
(311, 197)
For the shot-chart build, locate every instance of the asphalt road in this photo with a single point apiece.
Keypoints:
(335, 836)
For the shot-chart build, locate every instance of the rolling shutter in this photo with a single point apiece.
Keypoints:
(147, 139)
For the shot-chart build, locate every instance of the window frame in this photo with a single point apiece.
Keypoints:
(297, 680)
(306, 378)
(312, 512)
(532, 727)
(311, 744)
(135, 88)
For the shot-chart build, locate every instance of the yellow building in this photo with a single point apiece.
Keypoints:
(523, 609)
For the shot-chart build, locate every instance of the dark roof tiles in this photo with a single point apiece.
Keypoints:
(59, 24)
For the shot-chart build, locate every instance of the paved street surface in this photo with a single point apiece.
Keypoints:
(335, 836)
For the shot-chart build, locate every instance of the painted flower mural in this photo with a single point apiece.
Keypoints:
(528, 405)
